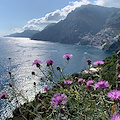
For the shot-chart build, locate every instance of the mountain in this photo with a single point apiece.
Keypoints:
(114, 46)
(49, 25)
(26, 33)
(114, 20)
(87, 21)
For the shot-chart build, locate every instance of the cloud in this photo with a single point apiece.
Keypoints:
(60, 14)
(108, 3)
(17, 30)
(53, 17)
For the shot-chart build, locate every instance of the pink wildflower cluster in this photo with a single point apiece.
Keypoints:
(116, 116)
(101, 85)
(114, 95)
(67, 56)
(36, 62)
(59, 99)
(49, 62)
(89, 61)
(46, 88)
(89, 83)
(3, 96)
(67, 82)
(81, 80)
(98, 63)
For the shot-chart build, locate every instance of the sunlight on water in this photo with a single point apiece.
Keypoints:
(24, 51)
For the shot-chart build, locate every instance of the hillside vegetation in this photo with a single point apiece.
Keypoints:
(84, 102)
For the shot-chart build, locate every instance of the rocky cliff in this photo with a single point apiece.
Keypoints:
(88, 24)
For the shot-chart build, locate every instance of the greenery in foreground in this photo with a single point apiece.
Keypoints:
(83, 102)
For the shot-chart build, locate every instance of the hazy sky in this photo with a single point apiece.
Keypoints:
(19, 15)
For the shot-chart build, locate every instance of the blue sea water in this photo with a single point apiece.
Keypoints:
(24, 51)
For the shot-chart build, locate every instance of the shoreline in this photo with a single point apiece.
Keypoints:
(100, 47)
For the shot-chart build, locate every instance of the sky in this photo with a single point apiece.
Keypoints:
(20, 15)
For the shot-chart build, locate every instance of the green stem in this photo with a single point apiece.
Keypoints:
(45, 75)
(54, 73)
(105, 103)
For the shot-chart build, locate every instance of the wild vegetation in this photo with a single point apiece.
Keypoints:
(84, 96)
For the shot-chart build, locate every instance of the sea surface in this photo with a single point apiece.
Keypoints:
(24, 51)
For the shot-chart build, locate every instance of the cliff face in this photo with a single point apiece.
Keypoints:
(87, 21)
(114, 46)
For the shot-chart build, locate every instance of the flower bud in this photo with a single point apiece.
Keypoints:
(39, 100)
(43, 108)
(94, 96)
(68, 58)
(48, 65)
(62, 110)
(50, 109)
(9, 101)
(33, 73)
(3, 96)
(76, 78)
(38, 65)
(51, 63)
(9, 73)
(58, 67)
(89, 61)
(10, 84)
(34, 83)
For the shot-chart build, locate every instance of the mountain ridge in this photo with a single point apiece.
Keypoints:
(26, 33)
(83, 21)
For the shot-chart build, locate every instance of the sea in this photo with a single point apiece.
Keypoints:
(24, 51)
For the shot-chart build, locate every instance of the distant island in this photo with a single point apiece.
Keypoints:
(26, 33)
(86, 25)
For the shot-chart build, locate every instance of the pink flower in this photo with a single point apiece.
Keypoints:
(89, 61)
(98, 63)
(116, 116)
(59, 99)
(84, 81)
(49, 62)
(36, 62)
(67, 56)
(67, 82)
(114, 94)
(102, 85)
(119, 76)
(46, 88)
(89, 82)
(80, 80)
(3, 96)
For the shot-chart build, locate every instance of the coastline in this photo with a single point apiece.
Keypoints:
(100, 47)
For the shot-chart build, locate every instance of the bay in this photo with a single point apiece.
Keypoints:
(24, 51)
